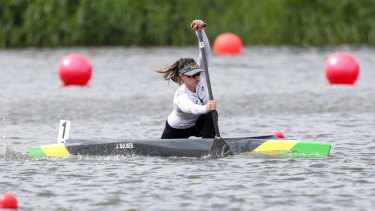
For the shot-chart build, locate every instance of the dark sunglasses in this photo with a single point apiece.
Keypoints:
(193, 76)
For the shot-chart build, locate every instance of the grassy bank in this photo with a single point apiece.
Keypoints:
(52, 23)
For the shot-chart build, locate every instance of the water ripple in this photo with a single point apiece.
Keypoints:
(125, 99)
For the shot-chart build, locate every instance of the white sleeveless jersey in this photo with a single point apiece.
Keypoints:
(188, 106)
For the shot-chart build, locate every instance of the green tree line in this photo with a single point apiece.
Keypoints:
(50, 23)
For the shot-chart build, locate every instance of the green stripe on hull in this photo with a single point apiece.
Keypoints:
(301, 149)
(36, 152)
(312, 148)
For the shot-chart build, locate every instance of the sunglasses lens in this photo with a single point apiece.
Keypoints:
(193, 76)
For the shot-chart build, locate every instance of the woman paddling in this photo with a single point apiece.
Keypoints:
(191, 105)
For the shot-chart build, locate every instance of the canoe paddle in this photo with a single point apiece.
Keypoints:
(219, 147)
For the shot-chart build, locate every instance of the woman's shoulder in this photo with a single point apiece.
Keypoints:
(181, 90)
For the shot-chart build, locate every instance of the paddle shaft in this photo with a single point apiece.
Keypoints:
(214, 113)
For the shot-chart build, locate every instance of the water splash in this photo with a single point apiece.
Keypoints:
(4, 126)
(9, 154)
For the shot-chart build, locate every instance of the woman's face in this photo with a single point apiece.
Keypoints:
(191, 82)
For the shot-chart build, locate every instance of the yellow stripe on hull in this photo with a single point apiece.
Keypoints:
(276, 145)
(55, 150)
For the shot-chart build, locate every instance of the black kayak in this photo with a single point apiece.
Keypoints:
(265, 145)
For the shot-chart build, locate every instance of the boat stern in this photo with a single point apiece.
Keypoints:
(52, 150)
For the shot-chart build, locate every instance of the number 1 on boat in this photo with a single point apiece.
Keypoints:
(63, 135)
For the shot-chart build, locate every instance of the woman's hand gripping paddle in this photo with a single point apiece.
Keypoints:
(219, 147)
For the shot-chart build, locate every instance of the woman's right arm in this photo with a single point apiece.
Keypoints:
(187, 106)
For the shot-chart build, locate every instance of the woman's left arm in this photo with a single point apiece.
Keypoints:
(207, 49)
(198, 25)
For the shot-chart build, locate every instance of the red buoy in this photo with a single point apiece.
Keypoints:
(341, 68)
(278, 134)
(228, 44)
(8, 201)
(74, 69)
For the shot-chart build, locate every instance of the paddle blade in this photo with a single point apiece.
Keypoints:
(220, 148)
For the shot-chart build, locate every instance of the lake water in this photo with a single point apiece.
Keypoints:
(263, 89)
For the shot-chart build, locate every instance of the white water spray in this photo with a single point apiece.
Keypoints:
(9, 152)
(4, 126)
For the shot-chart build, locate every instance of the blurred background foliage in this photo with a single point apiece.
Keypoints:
(42, 23)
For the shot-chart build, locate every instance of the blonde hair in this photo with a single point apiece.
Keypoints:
(172, 72)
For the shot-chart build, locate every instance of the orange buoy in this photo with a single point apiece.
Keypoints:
(341, 68)
(228, 44)
(8, 201)
(74, 69)
(278, 134)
